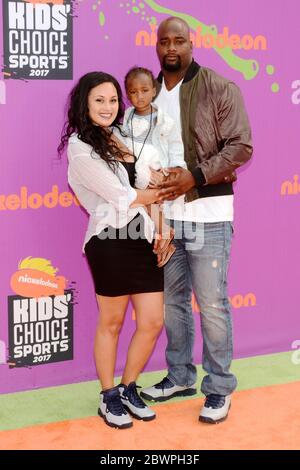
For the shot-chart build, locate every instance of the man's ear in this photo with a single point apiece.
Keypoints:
(154, 92)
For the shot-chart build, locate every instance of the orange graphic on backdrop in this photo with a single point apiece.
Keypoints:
(36, 278)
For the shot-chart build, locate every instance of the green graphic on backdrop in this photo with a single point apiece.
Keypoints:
(270, 69)
(249, 68)
(101, 18)
(138, 8)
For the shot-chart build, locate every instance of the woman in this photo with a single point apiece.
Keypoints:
(118, 243)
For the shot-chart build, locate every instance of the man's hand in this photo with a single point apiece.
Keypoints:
(179, 182)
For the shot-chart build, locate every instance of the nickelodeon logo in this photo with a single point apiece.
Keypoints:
(237, 301)
(36, 278)
(208, 40)
(290, 188)
(23, 200)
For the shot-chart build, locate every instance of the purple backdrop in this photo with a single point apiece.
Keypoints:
(262, 60)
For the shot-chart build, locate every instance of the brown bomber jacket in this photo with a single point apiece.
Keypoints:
(215, 130)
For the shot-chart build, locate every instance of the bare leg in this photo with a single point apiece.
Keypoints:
(149, 321)
(112, 311)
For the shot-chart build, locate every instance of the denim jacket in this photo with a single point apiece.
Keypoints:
(165, 150)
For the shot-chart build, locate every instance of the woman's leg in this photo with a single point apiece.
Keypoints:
(112, 311)
(149, 308)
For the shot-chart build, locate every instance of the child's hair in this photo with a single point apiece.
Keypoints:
(134, 72)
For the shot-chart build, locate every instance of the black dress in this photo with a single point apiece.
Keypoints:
(124, 265)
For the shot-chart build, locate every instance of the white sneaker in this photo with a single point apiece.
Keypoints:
(112, 410)
(165, 390)
(215, 408)
(133, 403)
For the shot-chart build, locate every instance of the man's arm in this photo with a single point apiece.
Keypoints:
(237, 149)
(235, 133)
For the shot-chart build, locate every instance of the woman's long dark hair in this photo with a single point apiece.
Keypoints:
(79, 122)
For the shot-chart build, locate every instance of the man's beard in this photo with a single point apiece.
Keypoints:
(174, 67)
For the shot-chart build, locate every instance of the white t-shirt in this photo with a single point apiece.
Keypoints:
(206, 209)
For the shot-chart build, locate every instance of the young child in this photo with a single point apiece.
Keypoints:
(150, 134)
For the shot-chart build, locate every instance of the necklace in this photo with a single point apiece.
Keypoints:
(132, 140)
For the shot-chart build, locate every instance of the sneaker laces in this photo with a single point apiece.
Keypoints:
(113, 403)
(214, 401)
(164, 383)
(131, 393)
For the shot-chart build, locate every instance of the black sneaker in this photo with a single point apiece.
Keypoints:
(215, 408)
(112, 410)
(165, 390)
(133, 403)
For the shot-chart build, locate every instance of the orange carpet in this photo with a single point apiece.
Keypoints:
(261, 418)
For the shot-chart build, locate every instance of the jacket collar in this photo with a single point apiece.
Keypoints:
(190, 73)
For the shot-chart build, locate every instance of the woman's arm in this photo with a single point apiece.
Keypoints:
(145, 197)
(95, 175)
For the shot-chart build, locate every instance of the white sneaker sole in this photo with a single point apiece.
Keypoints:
(141, 418)
(207, 420)
(114, 425)
(183, 393)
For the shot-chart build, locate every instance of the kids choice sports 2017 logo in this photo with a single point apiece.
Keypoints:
(38, 39)
(40, 316)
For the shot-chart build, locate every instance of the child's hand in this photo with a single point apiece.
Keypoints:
(157, 177)
(163, 240)
(164, 257)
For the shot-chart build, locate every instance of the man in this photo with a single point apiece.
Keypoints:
(217, 140)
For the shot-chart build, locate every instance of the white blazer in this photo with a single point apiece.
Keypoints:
(105, 195)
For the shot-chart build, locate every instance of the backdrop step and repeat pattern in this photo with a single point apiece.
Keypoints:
(48, 310)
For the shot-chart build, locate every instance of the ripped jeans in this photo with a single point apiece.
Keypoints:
(200, 263)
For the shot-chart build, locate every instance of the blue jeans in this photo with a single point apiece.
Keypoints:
(200, 263)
